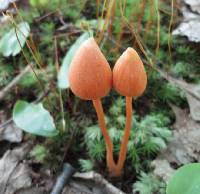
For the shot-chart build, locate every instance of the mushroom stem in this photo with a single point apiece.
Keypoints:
(109, 145)
(124, 142)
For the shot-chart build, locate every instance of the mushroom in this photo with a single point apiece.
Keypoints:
(130, 80)
(90, 78)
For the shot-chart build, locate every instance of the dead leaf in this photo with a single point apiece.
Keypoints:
(14, 173)
(192, 93)
(194, 107)
(190, 26)
(32, 190)
(90, 183)
(11, 133)
(5, 3)
(4, 19)
(194, 5)
(184, 146)
(162, 169)
(76, 188)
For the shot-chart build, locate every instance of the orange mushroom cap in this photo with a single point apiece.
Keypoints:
(90, 76)
(129, 76)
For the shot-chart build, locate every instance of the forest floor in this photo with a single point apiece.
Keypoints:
(166, 120)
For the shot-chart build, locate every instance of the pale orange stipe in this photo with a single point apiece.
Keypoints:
(124, 142)
(109, 145)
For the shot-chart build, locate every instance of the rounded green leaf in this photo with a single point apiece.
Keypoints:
(34, 119)
(63, 73)
(11, 41)
(186, 180)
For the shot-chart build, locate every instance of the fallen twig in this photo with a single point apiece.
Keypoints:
(63, 178)
(6, 89)
(5, 124)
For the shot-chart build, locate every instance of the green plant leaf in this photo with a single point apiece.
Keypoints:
(148, 184)
(86, 165)
(38, 3)
(9, 44)
(90, 24)
(186, 180)
(63, 73)
(34, 119)
(39, 153)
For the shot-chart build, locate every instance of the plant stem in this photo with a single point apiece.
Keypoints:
(109, 145)
(124, 142)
